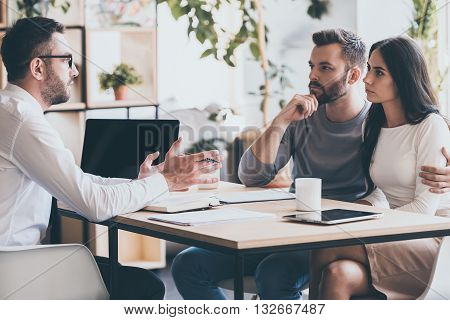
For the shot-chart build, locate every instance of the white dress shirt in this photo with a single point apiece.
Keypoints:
(399, 154)
(35, 165)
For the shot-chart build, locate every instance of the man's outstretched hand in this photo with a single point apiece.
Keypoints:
(183, 171)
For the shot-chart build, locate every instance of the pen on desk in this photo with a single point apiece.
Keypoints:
(209, 160)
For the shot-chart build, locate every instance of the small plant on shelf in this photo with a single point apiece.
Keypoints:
(33, 8)
(122, 76)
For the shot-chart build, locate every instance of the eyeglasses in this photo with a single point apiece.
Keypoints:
(67, 56)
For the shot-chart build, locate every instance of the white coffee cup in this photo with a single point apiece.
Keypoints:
(215, 174)
(308, 194)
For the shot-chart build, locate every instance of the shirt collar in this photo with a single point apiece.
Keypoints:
(24, 95)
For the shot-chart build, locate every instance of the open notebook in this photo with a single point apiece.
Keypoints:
(211, 216)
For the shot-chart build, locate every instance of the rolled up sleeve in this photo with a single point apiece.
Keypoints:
(40, 154)
(254, 173)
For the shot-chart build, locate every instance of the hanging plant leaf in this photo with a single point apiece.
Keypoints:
(201, 37)
(207, 52)
(227, 59)
(318, 8)
(255, 50)
(176, 10)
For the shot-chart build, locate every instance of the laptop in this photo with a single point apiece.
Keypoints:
(116, 148)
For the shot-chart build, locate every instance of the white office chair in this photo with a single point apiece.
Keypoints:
(50, 272)
(439, 285)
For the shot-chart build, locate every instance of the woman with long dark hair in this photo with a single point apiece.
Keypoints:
(403, 131)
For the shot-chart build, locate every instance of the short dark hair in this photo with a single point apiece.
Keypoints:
(353, 48)
(24, 41)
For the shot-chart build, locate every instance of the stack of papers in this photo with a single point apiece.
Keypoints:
(210, 216)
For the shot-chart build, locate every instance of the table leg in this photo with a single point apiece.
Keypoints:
(113, 247)
(238, 277)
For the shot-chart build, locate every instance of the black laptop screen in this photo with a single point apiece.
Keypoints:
(116, 148)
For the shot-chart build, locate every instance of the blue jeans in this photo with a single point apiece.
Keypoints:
(278, 276)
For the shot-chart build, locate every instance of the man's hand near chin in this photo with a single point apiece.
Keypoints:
(437, 178)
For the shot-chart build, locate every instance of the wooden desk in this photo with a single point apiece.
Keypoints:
(274, 235)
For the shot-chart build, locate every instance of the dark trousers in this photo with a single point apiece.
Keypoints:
(132, 283)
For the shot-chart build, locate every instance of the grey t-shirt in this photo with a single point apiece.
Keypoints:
(319, 148)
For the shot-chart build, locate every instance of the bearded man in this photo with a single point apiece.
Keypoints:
(35, 165)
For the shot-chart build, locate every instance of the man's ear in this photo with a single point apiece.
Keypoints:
(37, 69)
(354, 75)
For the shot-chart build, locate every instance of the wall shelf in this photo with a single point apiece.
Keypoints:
(121, 104)
(68, 106)
(107, 48)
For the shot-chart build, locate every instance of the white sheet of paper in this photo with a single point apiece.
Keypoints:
(210, 216)
(255, 196)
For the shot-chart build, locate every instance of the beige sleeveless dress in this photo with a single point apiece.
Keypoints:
(401, 270)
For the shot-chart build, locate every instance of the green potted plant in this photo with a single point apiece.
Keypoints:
(32, 8)
(122, 76)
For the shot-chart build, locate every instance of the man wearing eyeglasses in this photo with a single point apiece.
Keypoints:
(35, 165)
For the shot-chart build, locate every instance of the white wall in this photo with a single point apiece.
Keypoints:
(381, 19)
(444, 53)
(185, 80)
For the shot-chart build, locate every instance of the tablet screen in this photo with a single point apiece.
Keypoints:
(335, 215)
(338, 214)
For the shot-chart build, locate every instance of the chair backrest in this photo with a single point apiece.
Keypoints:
(439, 285)
(50, 272)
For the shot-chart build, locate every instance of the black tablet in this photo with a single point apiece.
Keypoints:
(334, 216)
